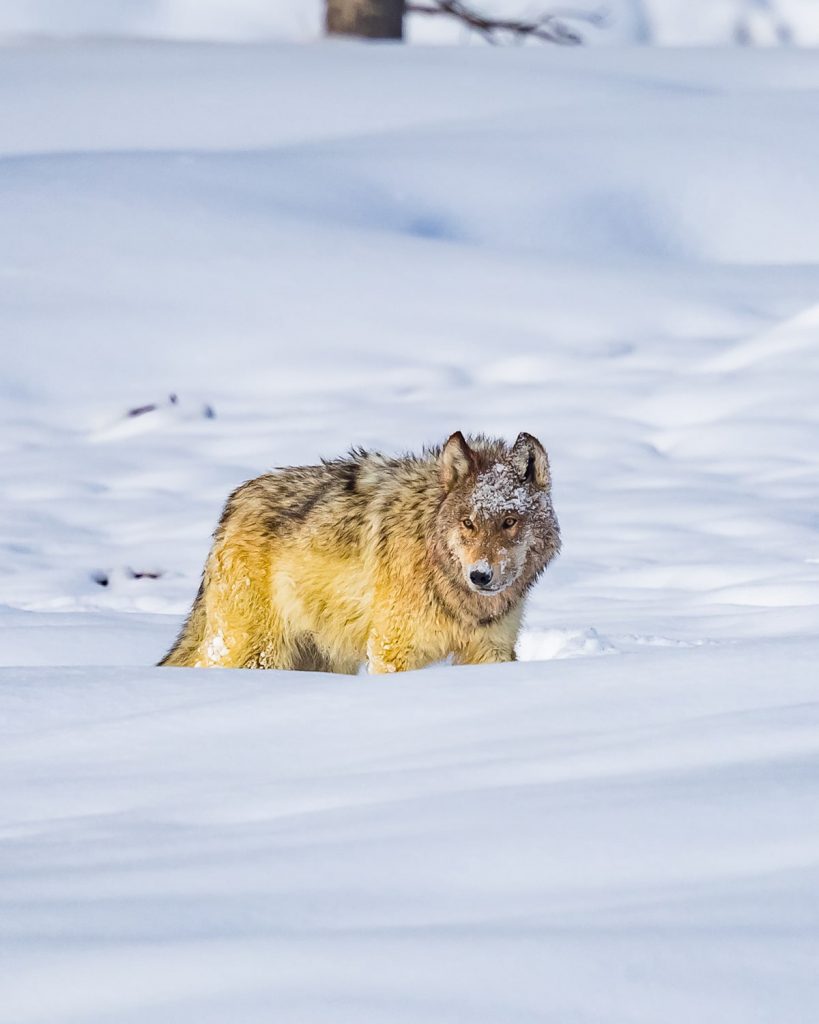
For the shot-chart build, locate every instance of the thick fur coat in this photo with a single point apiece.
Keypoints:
(396, 562)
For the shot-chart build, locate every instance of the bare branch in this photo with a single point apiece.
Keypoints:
(551, 28)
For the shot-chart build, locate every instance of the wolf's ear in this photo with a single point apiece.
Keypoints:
(457, 461)
(530, 461)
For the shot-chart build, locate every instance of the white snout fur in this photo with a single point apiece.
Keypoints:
(496, 586)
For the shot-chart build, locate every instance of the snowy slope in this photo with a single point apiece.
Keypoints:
(567, 842)
(320, 246)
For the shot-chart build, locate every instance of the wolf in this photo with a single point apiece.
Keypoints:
(392, 562)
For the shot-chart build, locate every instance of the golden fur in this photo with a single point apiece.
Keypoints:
(372, 559)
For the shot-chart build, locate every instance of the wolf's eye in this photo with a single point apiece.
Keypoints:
(509, 522)
(468, 524)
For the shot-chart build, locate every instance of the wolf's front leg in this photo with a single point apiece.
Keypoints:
(388, 650)
(488, 645)
(491, 644)
(484, 652)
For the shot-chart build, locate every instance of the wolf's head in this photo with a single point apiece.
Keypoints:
(496, 529)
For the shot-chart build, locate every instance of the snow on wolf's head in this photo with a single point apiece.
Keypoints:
(496, 529)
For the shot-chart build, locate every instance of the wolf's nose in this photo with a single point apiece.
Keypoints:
(479, 578)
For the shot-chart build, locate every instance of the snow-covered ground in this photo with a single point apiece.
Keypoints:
(311, 247)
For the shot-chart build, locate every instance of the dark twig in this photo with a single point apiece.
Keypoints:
(140, 410)
(551, 28)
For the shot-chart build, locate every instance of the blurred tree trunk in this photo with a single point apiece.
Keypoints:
(372, 19)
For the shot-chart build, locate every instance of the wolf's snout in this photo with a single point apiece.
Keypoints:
(480, 577)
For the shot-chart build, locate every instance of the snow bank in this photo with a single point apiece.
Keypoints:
(628, 839)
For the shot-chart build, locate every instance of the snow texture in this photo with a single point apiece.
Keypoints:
(499, 490)
(315, 247)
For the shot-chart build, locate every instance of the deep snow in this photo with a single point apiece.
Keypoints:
(319, 246)
(550, 843)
